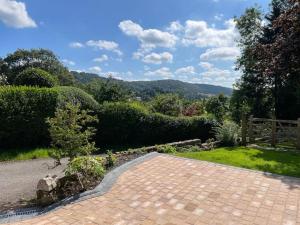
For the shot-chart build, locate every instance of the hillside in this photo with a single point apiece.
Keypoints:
(148, 89)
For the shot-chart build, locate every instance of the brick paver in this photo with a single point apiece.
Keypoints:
(169, 190)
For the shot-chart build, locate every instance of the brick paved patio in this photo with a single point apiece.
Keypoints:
(169, 190)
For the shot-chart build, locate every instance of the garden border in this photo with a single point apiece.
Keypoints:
(105, 185)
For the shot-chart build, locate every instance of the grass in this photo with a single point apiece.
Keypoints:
(24, 154)
(283, 163)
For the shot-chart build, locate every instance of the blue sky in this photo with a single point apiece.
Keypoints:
(188, 40)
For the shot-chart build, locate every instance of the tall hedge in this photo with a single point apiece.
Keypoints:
(123, 123)
(23, 111)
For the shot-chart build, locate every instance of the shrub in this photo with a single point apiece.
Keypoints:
(70, 132)
(86, 166)
(35, 77)
(110, 160)
(192, 148)
(166, 149)
(75, 96)
(122, 123)
(23, 112)
(228, 133)
(167, 104)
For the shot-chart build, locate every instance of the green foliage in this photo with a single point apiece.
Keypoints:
(165, 149)
(218, 106)
(122, 123)
(228, 134)
(43, 59)
(196, 108)
(110, 159)
(87, 166)
(22, 115)
(146, 90)
(75, 96)
(192, 148)
(35, 77)
(167, 104)
(70, 132)
(24, 154)
(23, 111)
(107, 91)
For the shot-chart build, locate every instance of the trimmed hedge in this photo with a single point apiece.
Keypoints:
(123, 123)
(23, 111)
(35, 77)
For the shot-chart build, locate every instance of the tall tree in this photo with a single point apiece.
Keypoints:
(44, 59)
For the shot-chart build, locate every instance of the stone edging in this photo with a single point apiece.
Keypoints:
(105, 185)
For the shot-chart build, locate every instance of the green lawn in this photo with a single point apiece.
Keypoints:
(283, 163)
(23, 154)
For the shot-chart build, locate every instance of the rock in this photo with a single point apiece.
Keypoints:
(47, 183)
(45, 198)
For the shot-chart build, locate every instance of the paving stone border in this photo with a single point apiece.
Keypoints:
(105, 185)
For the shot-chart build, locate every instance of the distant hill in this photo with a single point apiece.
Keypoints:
(148, 89)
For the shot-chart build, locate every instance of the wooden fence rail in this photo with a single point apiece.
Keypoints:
(270, 130)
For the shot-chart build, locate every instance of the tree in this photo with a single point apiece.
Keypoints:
(35, 77)
(168, 104)
(280, 57)
(218, 106)
(196, 108)
(70, 132)
(269, 52)
(44, 59)
(107, 91)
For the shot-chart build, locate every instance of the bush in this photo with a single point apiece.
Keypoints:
(166, 149)
(35, 77)
(86, 166)
(191, 148)
(122, 123)
(110, 160)
(228, 134)
(23, 113)
(167, 104)
(70, 132)
(75, 96)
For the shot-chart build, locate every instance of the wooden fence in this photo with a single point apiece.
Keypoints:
(272, 131)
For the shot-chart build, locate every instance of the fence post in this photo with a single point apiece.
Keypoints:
(244, 129)
(298, 134)
(274, 124)
(251, 138)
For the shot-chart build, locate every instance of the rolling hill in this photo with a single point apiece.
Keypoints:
(148, 89)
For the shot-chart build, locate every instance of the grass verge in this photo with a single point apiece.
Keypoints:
(24, 154)
(283, 163)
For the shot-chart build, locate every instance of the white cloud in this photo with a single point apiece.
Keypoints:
(149, 38)
(102, 58)
(219, 16)
(185, 70)
(198, 33)
(163, 72)
(76, 45)
(174, 27)
(221, 53)
(14, 14)
(106, 45)
(206, 65)
(68, 62)
(158, 58)
(216, 76)
(95, 69)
